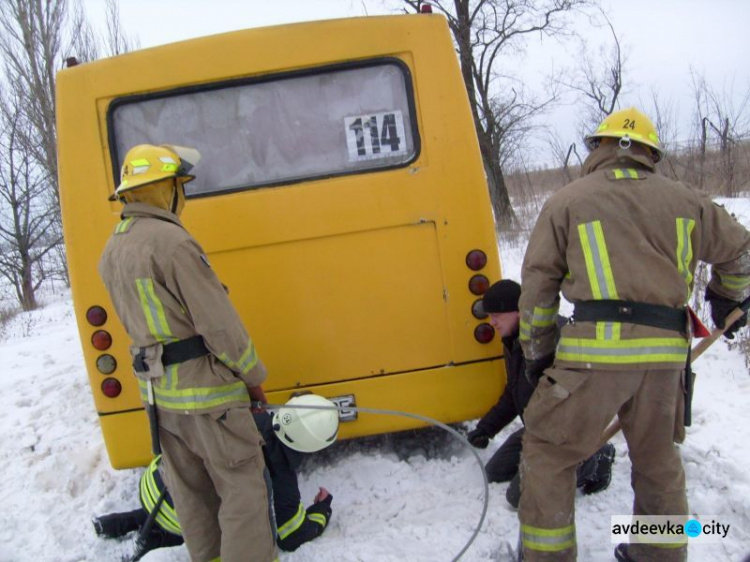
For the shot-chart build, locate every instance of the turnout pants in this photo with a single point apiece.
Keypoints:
(564, 421)
(214, 470)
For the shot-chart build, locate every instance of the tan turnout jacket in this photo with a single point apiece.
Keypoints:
(624, 232)
(164, 290)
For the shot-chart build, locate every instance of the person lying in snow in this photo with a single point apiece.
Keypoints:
(288, 434)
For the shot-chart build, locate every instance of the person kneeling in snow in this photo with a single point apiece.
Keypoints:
(500, 303)
(288, 434)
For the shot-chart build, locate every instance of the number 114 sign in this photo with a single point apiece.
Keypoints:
(377, 135)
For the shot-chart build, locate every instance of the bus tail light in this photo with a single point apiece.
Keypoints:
(101, 340)
(484, 333)
(106, 364)
(111, 387)
(478, 285)
(96, 316)
(477, 310)
(476, 260)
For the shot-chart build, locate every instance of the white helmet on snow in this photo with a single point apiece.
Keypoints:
(307, 430)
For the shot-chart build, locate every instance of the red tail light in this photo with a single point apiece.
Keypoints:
(476, 260)
(96, 316)
(479, 284)
(111, 387)
(101, 340)
(484, 333)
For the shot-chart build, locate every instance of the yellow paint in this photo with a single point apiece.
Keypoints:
(352, 284)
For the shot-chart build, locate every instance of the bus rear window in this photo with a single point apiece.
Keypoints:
(280, 130)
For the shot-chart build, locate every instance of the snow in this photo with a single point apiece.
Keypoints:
(415, 497)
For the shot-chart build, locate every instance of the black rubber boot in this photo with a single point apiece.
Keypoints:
(116, 525)
(621, 553)
(605, 458)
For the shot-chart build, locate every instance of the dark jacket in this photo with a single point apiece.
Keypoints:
(296, 525)
(518, 389)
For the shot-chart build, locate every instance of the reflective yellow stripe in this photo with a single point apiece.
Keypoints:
(154, 311)
(548, 540)
(633, 173)
(735, 282)
(195, 399)
(599, 269)
(318, 518)
(123, 225)
(524, 331)
(149, 494)
(293, 524)
(685, 251)
(247, 360)
(544, 317)
(169, 168)
(643, 350)
(618, 174)
(140, 162)
(597, 261)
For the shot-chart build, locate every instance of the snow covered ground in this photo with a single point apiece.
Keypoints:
(395, 498)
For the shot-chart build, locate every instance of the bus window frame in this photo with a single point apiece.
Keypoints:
(207, 87)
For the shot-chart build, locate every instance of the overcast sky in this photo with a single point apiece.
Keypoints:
(663, 40)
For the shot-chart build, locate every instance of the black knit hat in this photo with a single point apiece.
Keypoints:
(502, 297)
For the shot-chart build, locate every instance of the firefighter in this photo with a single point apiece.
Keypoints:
(306, 431)
(190, 348)
(621, 243)
(593, 475)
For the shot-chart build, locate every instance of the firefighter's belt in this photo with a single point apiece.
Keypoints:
(183, 350)
(641, 313)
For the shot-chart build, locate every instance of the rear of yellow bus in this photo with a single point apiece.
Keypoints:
(341, 197)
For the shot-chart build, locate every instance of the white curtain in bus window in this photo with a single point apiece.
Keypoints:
(280, 131)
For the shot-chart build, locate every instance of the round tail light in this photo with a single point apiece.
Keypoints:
(476, 260)
(96, 316)
(111, 387)
(484, 333)
(106, 364)
(477, 309)
(101, 340)
(479, 284)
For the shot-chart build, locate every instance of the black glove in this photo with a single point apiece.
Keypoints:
(721, 307)
(323, 507)
(535, 368)
(478, 438)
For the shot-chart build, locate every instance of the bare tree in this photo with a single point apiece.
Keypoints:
(599, 80)
(28, 212)
(116, 41)
(722, 123)
(563, 154)
(664, 115)
(484, 32)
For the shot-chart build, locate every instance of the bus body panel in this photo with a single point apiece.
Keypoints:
(345, 283)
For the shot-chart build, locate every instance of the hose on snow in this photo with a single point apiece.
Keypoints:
(455, 434)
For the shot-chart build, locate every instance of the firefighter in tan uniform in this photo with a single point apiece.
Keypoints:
(189, 341)
(621, 244)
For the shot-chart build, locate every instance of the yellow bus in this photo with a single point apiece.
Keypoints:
(340, 196)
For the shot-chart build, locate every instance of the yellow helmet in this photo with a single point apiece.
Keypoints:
(628, 124)
(146, 164)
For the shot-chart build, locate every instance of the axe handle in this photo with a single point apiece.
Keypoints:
(696, 352)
